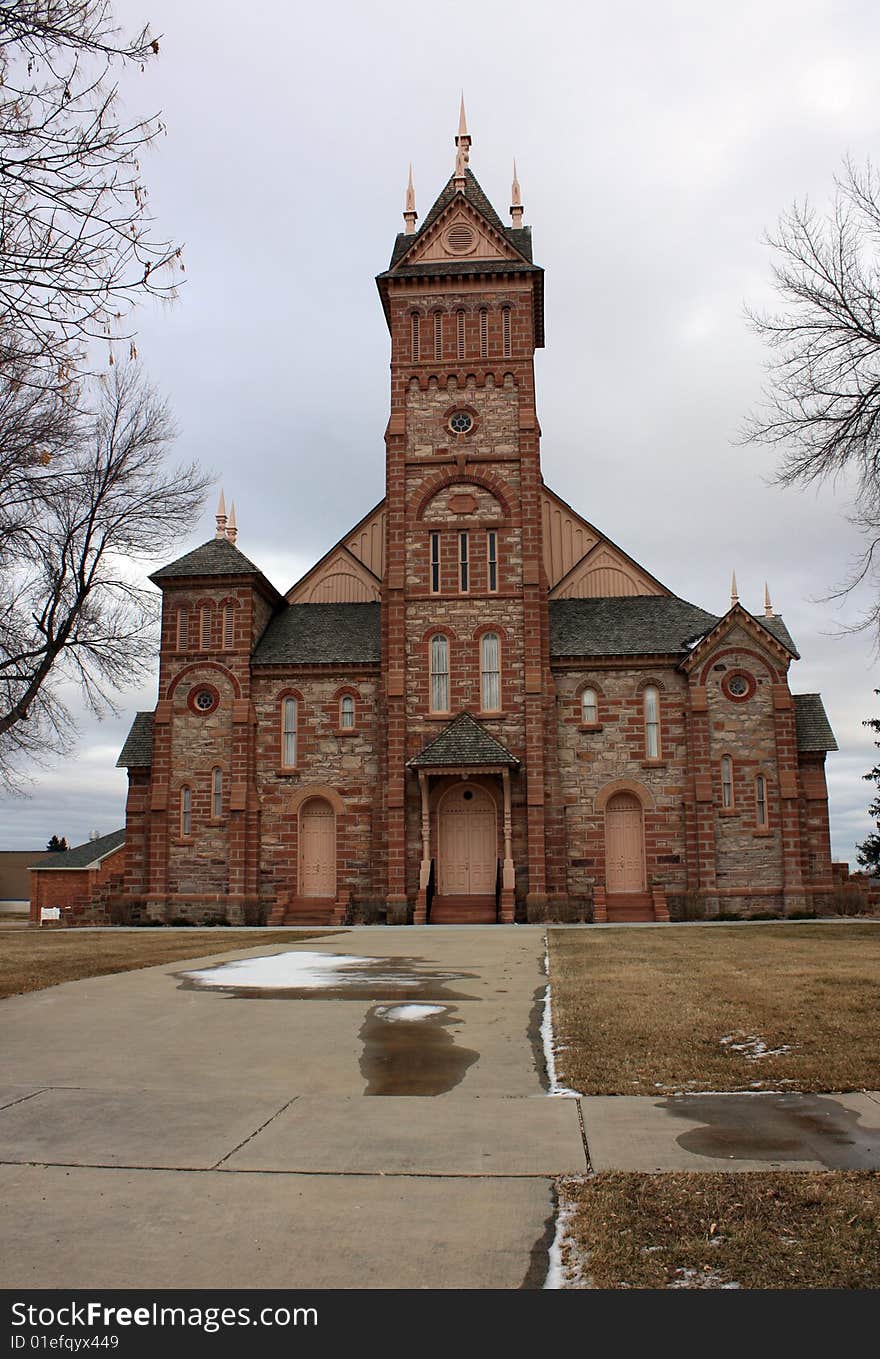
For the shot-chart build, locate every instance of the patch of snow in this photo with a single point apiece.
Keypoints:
(549, 1046)
(288, 972)
(567, 1273)
(752, 1046)
(710, 1278)
(408, 1012)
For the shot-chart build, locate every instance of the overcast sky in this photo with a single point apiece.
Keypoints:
(655, 143)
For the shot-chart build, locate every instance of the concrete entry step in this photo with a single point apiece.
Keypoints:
(462, 910)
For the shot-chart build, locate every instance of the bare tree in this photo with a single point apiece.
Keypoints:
(71, 604)
(822, 401)
(77, 246)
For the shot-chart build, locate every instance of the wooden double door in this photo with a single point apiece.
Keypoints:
(467, 848)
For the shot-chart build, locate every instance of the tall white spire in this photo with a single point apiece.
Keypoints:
(221, 517)
(734, 594)
(768, 607)
(516, 207)
(409, 212)
(231, 530)
(462, 148)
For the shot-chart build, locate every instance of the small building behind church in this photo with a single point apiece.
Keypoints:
(475, 707)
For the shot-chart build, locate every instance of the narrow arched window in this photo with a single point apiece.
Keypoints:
(228, 626)
(726, 782)
(652, 723)
(589, 708)
(439, 674)
(288, 732)
(186, 810)
(484, 333)
(761, 802)
(346, 711)
(216, 794)
(492, 560)
(415, 321)
(435, 563)
(490, 672)
(505, 331)
(205, 627)
(182, 629)
(459, 334)
(438, 335)
(463, 563)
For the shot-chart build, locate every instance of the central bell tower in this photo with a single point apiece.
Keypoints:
(465, 648)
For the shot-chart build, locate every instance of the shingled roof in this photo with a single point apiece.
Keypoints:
(814, 732)
(216, 557)
(137, 753)
(82, 856)
(641, 625)
(520, 238)
(464, 742)
(321, 634)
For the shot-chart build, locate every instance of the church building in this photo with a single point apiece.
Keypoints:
(475, 707)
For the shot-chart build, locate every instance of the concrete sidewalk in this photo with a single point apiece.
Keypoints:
(155, 1134)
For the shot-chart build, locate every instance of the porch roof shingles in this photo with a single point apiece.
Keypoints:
(464, 742)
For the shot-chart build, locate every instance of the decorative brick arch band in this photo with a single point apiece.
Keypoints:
(644, 795)
(716, 656)
(489, 482)
(204, 665)
(315, 790)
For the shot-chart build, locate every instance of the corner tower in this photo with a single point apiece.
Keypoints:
(464, 618)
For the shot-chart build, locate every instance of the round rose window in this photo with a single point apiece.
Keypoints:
(461, 422)
(738, 685)
(204, 699)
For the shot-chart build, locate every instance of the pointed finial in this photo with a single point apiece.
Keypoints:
(516, 207)
(221, 517)
(231, 530)
(463, 146)
(768, 607)
(734, 595)
(409, 212)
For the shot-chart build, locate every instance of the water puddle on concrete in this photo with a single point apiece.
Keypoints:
(409, 1050)
(776, 1128)
(303, 975)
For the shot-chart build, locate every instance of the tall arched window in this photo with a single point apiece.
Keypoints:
(490, 673)
(415, 323)
(439, 674)
(589, 708)
(346, 711)
(186, 810)
(726, 782)
(438, 335)
(289, 715)
(652, 723)
(761, 802)
(216, 794)
(505, 331)
(484, 333)
(205, 627)
(182, 629)
(228, 626)
(459, 334)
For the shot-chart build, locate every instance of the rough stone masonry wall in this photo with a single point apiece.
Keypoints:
(345, 761)
(592, 758)
(748, 858)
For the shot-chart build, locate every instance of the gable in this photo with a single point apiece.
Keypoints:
(338, 579)
(738, 628)
(460, 234)
(582, 564)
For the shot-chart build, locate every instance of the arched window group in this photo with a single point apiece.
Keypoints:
(432, 344)
(470, 574)
(194, 629)
(439, 699)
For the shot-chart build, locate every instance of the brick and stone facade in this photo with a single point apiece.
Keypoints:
(623, 750)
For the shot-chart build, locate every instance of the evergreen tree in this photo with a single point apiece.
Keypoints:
(868, 852)
(56, 846)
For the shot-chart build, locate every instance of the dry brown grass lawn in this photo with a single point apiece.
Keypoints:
(644, 1012)
(33, 959)
(776, 1230)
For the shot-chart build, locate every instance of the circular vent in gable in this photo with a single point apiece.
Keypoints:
(460, 238)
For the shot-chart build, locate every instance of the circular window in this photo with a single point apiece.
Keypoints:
(460, 238)
(461, 422)
(467, 795)
(738, 685)
(203, 698)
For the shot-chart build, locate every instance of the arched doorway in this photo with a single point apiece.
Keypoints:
(624, 844)
(317, 849)
(467, 842)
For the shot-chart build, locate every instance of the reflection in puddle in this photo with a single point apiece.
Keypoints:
(301, 975)
(773, 1128)
(412, 1054)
